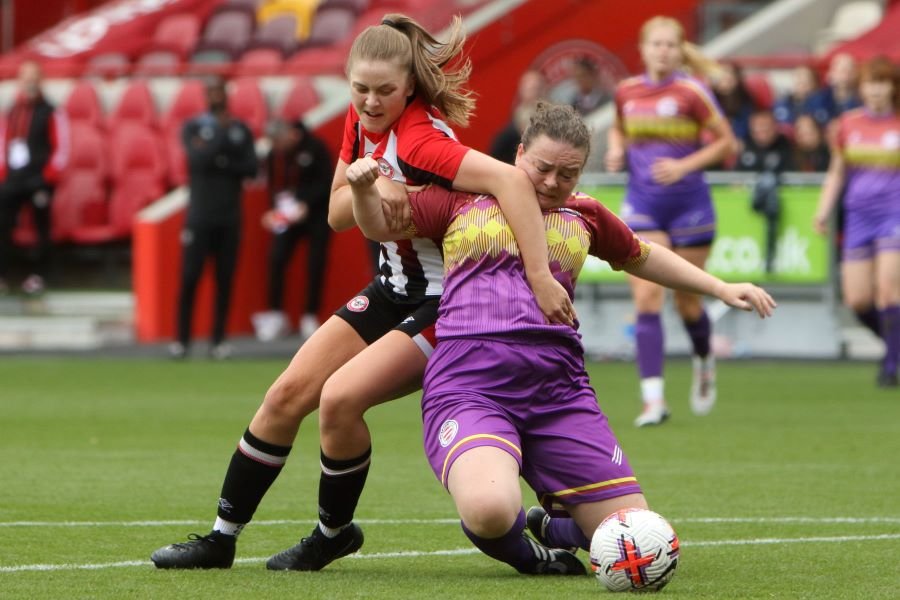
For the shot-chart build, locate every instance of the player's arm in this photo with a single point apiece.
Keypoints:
(340, 203)
(667, 171)
(367, 212)
(481, 174)
(615, 147)
(666, 268)
(831, 190)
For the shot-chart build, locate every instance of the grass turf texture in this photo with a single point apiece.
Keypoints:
(791, 449)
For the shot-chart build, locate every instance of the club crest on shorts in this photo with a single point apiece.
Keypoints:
(358, 304)
(385, 168)
(448, 432)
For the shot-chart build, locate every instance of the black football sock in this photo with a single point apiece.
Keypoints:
(254, 466)
(340, 486)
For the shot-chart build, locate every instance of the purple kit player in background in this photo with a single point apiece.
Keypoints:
(506, 392)
(659, 120)
(866, 158)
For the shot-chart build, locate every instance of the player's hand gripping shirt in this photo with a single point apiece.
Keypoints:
(486, 290)
(870, 145)
(663, 120)
(419, 148)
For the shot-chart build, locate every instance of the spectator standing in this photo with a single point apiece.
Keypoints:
(33, 154)
(299, 171)
(220, 155)
(769, 153)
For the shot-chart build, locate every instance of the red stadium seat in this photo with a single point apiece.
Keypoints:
(177, 33)
(139, 178)
(302, 97)
(83, 106)
(228, 30)
(247, 102)
(760, 90)
(157, 63)
(357, 6)
(279, 33)
(322, 60)
(136, 106)
(82, 190)
(111, 64)
(330, 26)
(259, 61)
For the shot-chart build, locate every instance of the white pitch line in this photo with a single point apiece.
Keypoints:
(806, 540)
(275, 522)
(464, 551)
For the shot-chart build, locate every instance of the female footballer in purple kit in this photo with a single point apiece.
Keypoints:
(505, 392)
(405, 88)
(866, 158)
(660, 116)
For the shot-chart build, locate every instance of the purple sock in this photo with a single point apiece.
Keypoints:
(871, 319)
(890, 332)
(563, 532)
(513, 547)
(648, 334)
(700, 332)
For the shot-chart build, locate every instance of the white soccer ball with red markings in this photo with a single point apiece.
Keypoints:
(634, 550)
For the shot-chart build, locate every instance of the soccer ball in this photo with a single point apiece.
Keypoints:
(634, 550)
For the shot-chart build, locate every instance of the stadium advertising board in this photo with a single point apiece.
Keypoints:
(739, 251)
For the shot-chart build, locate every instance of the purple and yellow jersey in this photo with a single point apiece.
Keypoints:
(486, 293)
(870, 145)
(663, 120)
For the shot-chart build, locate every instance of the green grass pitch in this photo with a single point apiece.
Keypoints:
(789, 489)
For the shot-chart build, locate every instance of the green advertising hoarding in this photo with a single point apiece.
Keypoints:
(739, 251)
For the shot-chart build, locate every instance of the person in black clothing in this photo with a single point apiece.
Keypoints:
(299, 169)
(769, 153)
(220, 155)
(34, 150)
(811, 153)
(532, 87)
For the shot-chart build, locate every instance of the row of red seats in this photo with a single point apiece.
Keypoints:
(121, 162)
(231, 38)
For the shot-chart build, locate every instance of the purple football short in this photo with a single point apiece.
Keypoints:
(689, 219)
(533, 401)
(866, 233)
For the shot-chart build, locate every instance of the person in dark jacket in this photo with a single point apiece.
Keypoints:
(299, 169)
(769, 153)
(220, 154)
(34, 150)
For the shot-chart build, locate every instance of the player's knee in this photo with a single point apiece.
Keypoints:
(337, 404)
(487, 515)
(291, 399)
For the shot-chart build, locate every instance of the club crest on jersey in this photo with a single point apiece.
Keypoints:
(667, 107)
(358, 304)
(448, 432)
(385, 168)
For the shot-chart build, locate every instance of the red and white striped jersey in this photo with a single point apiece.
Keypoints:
(419, 148)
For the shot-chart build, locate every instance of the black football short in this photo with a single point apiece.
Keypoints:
(375, 311)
